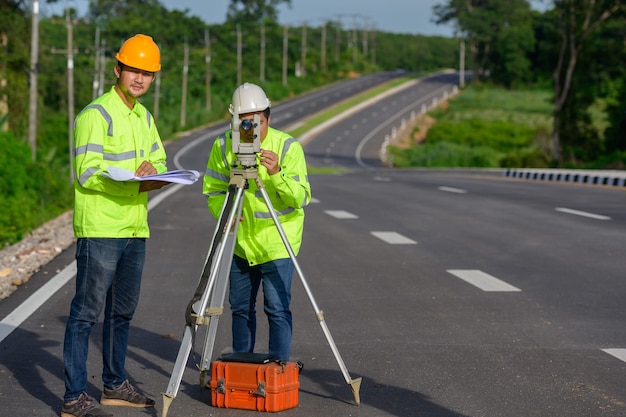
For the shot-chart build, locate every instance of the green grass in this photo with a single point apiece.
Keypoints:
(486, 127)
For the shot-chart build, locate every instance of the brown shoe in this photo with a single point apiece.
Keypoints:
(126, 396)
(85, 406)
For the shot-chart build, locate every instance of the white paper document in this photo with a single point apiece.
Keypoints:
(180, 176)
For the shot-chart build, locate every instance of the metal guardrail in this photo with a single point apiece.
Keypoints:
(612, 178)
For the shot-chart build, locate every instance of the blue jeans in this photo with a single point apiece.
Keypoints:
(244, 285)
(108, 276)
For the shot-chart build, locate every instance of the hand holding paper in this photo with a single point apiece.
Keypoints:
(180, 176)
(145, 169)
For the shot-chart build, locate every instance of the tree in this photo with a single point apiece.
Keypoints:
(577, 20)
(509, 61)
(14, 66)
(595, 93)
(499, 33)
(254, 11)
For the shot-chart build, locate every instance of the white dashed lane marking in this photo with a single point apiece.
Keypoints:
(618, 353)
(341, 214)
(453, 190)
(582, 213)
(482, 280)
(394, 238)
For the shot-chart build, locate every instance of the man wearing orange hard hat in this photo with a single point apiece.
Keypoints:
(111, 227)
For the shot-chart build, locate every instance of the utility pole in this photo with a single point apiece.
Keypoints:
(338, 39)
(285, 44)
(207, 62)
(70, 88)
(323, 48)
(373, 36)
(96, 72)
(34, 68)
(4, 100)
(365, 35)
(103, 60)
(354, 38)
(303, 51)
(239, 54)
(183, 107)
(69, 52)
(157, 96)
(262, 71)
(462, 62)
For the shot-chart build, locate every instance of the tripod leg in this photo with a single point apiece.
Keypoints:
(355, 384)
(179, 366)
(198, 304)
(224, 246)
(216, 303)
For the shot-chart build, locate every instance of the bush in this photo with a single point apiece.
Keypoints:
(526, 158)
(16, 187)
(485, 127)
(499, 134)
(446, 154)
(32, 192)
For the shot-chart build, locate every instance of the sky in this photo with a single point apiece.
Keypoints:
(397, 16)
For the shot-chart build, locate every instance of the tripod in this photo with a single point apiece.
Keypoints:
(206, 306)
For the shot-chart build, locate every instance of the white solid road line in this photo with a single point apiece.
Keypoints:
(36, 300)
(582, 213)
(483, 281)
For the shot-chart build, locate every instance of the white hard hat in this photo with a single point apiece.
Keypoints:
(248, 98)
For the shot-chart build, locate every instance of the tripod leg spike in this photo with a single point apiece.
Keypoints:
(355, 385)
(167, 401)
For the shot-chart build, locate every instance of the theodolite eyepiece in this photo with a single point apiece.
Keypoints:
(246, 124)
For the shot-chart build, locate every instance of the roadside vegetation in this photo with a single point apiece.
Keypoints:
(483, 126)
(32, 192)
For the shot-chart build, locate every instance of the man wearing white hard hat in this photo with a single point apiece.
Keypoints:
(260, 256)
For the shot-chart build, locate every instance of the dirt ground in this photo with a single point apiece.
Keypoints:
(19, 262)
(415, 131)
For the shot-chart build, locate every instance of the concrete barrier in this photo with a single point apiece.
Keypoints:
(610, 178)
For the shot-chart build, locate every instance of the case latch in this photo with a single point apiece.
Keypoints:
(260, 391)
(219, 387)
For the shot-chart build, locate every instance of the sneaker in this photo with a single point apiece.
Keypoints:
(84, 407)
(125, 395)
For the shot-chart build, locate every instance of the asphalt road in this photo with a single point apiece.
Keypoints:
(450, 293)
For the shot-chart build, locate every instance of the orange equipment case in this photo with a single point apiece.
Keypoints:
(270, 387)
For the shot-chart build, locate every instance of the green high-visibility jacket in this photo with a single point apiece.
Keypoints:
(107, 133)
(258, 240)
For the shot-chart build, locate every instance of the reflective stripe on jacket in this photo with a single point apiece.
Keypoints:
(107, 133)
(258, 240)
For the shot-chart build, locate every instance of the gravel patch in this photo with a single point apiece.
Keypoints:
(19, 262)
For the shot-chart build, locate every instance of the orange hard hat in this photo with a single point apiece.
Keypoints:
(140, 52)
